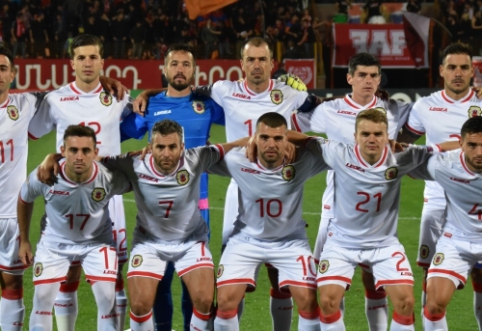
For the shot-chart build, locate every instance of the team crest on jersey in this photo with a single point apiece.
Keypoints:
(391, 173)
(198, 106)
(474, 111)
(98, 194)
(438, 258)
(220, 271)
(383, 110)
(105, 99)
(13, 113)
(323, 267)
(424, 251)
(288, 172)
(38, 268)
(276, 97)
(182, 177)
(136, 261)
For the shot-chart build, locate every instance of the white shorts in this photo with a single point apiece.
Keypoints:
(117, 215)
(149, 259)
(321, 237)
(53, 260)
(454, 258)
(389, 265)
(230, 210)
(243, 256)
(431, 227)
(9, 243)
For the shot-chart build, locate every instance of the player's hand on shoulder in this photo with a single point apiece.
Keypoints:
(251, 150)
(49, 169)
(478, 91)
(140, 103)
(142, 153)
(293, 81)
(396, 147)
(113, 87)
(290, 153)
(25, 252)
(383, 94)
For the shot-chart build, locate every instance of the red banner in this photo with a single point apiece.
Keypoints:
(386, 41)
(52, 74)
(305, 69)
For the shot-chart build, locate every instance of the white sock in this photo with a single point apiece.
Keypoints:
(281, 306)
(226, 321)
(66, 306)
(434, 322)
(309, 321)
(199, 321)
(43, 301)
(12, 310)
(333, 322)
(142, 323)
(240, 309)
(478, 303)
(104, 293)
(402, 323)
(376, 310)
(120, 308)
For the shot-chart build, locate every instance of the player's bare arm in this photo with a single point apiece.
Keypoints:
(407, 136)
(113, 87)
(24, 210)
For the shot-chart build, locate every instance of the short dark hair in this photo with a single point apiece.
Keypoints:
(180, 47)
(80, 131)
(166, 127)
(372, 114)
(456, 48)
(363, 59)
(7, 53)
(86, 40)
(472, 125)
(272, 119)
(257, 42)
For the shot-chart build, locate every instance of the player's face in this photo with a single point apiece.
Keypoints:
(7, 73)
(179, 70)
(472, 146)
(457, 71)
(364, 81)
(257, 64)
(271, 144)
(372, 138)
(87, 63)
(167, 151)
(79, 153)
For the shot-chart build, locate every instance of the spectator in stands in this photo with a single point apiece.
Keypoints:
(292, 51)
(137, 39)
(465, 29)
(149, 37)
(280, 71)
(453, 26)
(92, 26)
(72, 15)
(342, 6)
(293, 29)
(307, 39)
(373, 12)
(210, 39)
(7, 21)
(414, 6)
(106, 34)
(477, 32)
(19, 35)
(119, 35)
(226, 38)
(39, 37)
(243, 31)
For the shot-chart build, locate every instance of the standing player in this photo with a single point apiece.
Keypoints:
(195, 114)
(269, 227)
(440, 116)
(336, 119)
(84, 102)
(78, 228)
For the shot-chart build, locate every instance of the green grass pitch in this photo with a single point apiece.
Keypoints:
(256, 315)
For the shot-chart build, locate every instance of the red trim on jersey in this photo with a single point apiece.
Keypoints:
(366, 266)
(72, 86)
(23, 201)
(31, 136)
(3, 267)
(221, 151)
(94, 174)
(343, 279)
(420, 133)
(196, 266)
(394, 282)
(471, 94)
(358, 156)
(464, 165)
(12, 294)
(423, 265)
(75, 263)
(144, 274)
(351, 103)
(383, 158)
(99, 89)
(270, 87)
(297, 284)
(447, 98)
(5, 104)
(140, 319)
(101, 279)
(153, 168)
(234, 281)
(50, 281)
(294, 120)
(92, 177)
(376, 165)
(448, 272)
(444, 96)
(272, 170)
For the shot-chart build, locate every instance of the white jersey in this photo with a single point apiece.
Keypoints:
(336, 119)
(243, 107)
(96, 109)
(15, 114)
(367, 196)
(167, 205)
(441, 119)
(77, 213)
(270, 200)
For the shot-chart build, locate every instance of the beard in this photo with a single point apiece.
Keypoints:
(179, 86)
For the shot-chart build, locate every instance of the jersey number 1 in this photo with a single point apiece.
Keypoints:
(2, 150)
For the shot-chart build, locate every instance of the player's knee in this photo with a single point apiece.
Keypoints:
(435, 307)
(139, 307)
(404, 305)
(203, 303)
(307, 303)
(328, 305)
(226, 302)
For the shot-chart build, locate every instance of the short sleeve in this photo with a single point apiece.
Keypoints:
(318, 120)
(42, 122)
(32, 188)
(414, 122)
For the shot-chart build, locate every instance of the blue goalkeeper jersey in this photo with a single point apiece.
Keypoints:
(194, 113)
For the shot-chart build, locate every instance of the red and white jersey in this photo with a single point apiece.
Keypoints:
(270, 200)
(441, 119)
(336, 119)
(77, 213)
(463, 192)
(15, 114)
(70, 105)
(167, 205)
(243, 107)
(367, 196)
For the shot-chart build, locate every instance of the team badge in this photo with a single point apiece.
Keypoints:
(438, 258)
(98, 194)
(198, 106)
(13, 113)
(323, 267)
(391, 173)
(424, 251)
(276, 97)
(474, 111)
(220, 271)
(288, 172)
(105, 99)
(383, 110)
(136, 261)
(182, 177)
(38, 268)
